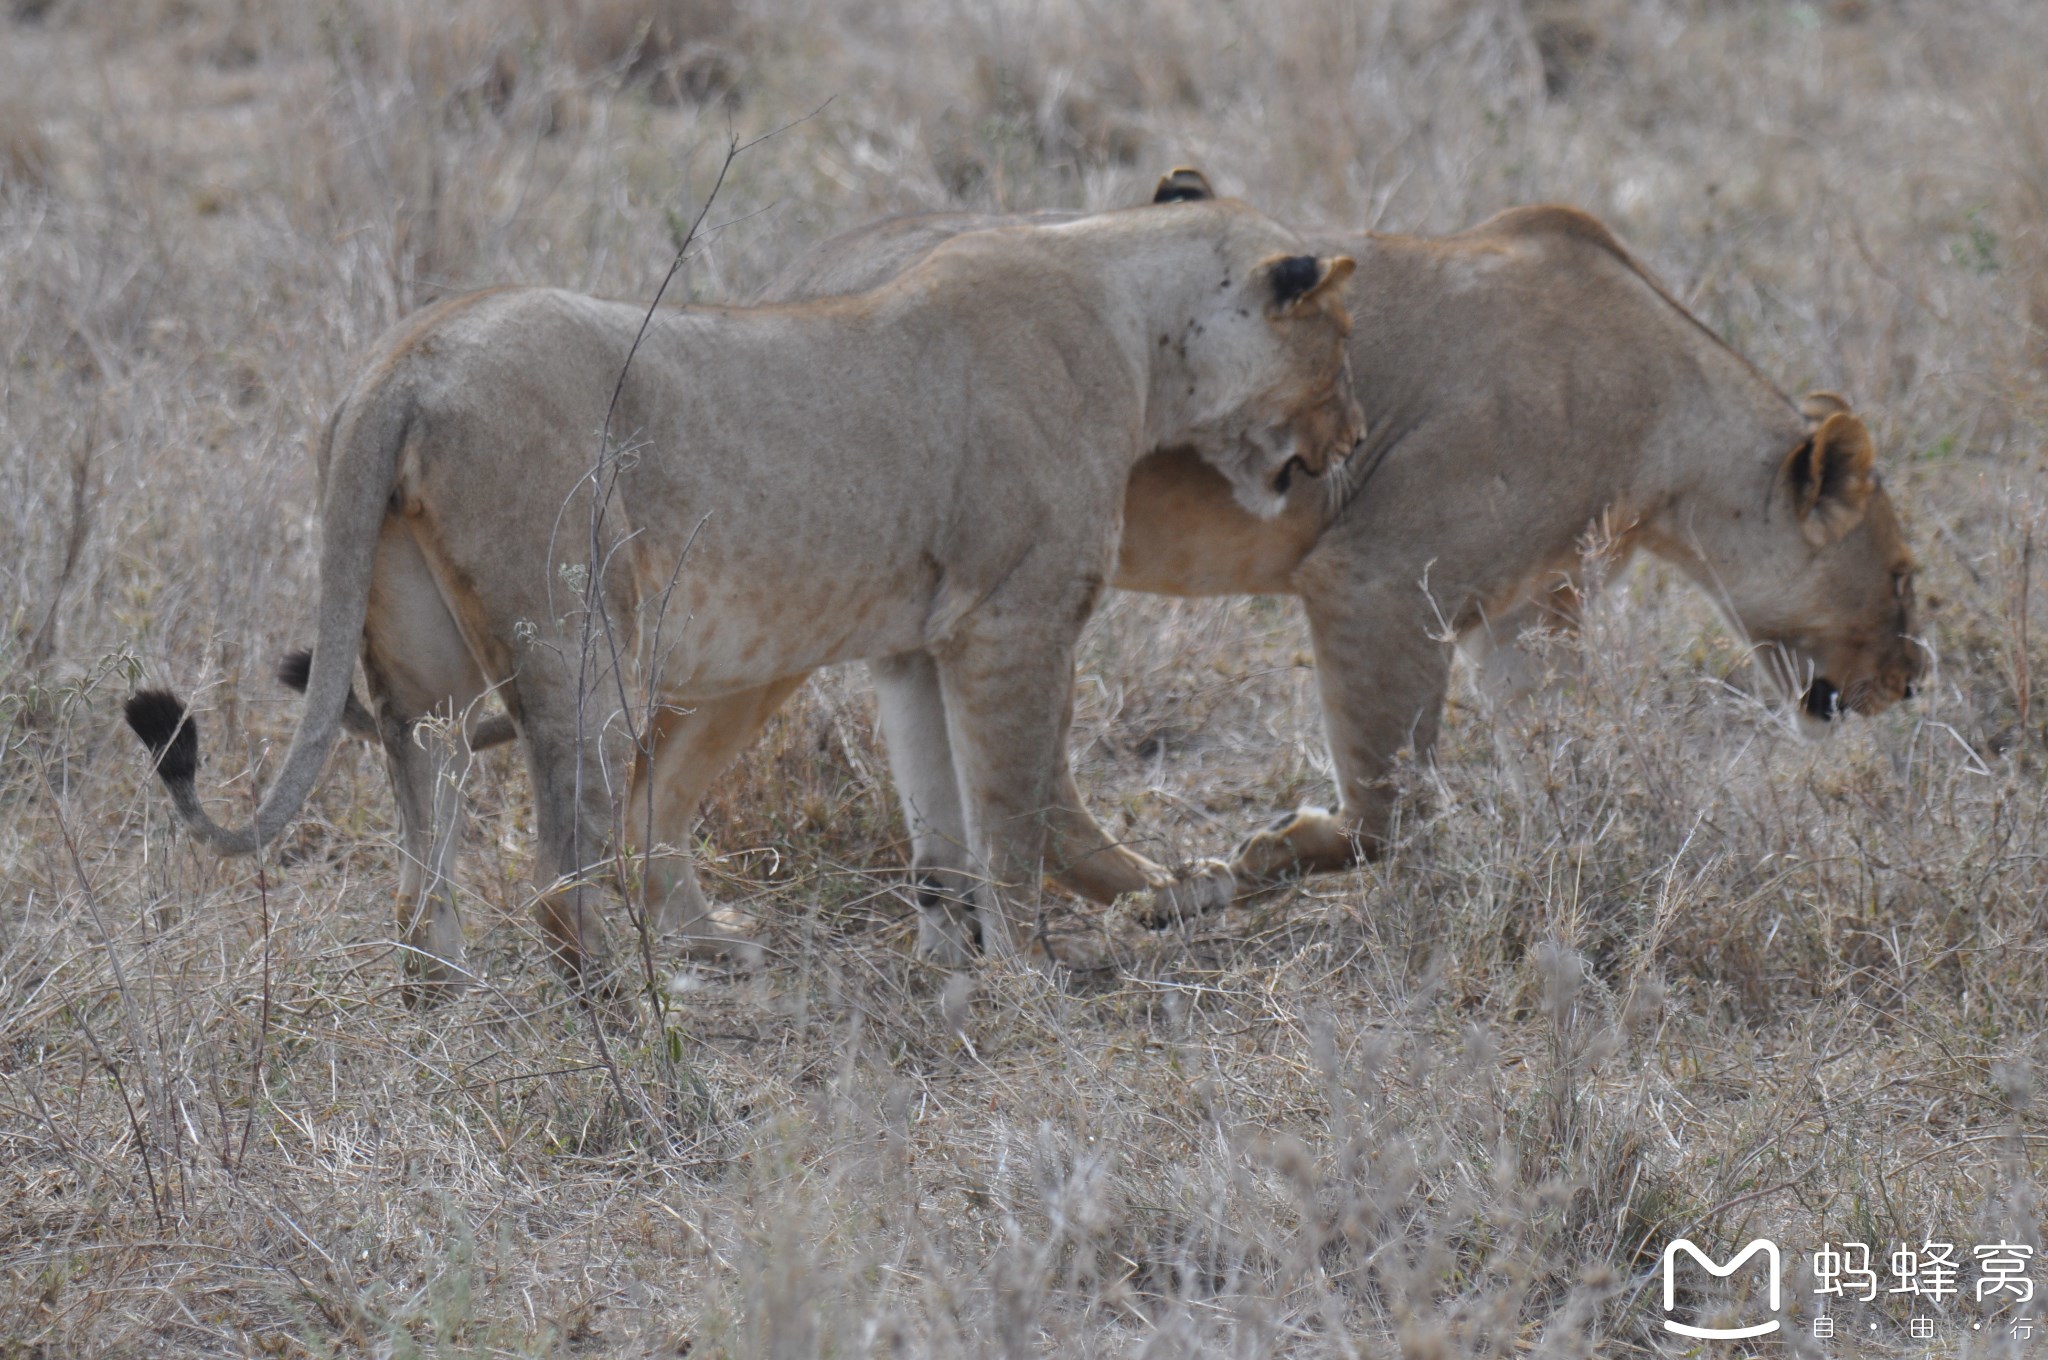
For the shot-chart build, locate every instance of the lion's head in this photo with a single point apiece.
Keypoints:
(1835, 622)
(1268, 343)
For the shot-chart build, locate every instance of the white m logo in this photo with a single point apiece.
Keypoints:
(1761, 1244)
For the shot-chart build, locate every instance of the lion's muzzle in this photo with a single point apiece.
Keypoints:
(1283, 480)
(1821, 700)
(1323, 435)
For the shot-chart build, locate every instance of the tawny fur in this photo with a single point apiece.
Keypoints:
(1527, 384)
(934, 466)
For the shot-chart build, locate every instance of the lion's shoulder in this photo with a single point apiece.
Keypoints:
(1555, 221)
(1580, 261)
(1558, 238)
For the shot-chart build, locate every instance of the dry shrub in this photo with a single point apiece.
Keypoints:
(818, 772)
(221, 34)
(2018, 115)
(26, 157)
(1026, 111)
(677, 49)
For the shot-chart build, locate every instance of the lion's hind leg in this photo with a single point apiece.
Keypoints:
(426, 771)
(572, 820)
(690, 742)
(421, 671)
(578, 757)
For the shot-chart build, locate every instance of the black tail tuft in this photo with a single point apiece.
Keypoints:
(296, 670)
(171, 734)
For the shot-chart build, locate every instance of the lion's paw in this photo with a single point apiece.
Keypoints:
(946, 936)
(1205, 886)
(1307, 840)
(721, 933)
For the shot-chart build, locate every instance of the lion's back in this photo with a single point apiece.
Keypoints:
(869, 256)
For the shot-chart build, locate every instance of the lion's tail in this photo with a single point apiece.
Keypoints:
(364, 443)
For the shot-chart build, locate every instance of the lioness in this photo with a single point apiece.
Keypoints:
(1524, 382)
(937, 465)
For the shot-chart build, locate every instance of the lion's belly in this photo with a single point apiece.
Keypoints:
(731, 630)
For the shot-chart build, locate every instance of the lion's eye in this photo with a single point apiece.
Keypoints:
(1902, 584)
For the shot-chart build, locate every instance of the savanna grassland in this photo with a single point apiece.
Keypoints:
(1642, 962)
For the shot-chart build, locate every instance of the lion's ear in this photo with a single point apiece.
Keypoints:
(1183, 184)
(1297, 279)
(1336, 270)
(1831, 478)
(1818, 406)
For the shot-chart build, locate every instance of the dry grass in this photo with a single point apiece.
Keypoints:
(1642, 963)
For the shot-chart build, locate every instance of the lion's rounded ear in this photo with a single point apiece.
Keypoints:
(1183, 184)
(1818, 406)
(1297, 279)
(1831, 477)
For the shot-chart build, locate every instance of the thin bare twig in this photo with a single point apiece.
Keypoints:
(263, 1024)
(603, 483)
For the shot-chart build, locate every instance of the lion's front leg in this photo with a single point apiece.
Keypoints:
(1079, 854)
(1007, 683)
(911, 703)
(1382, 667)
(1083, 858)
(1381, 670)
